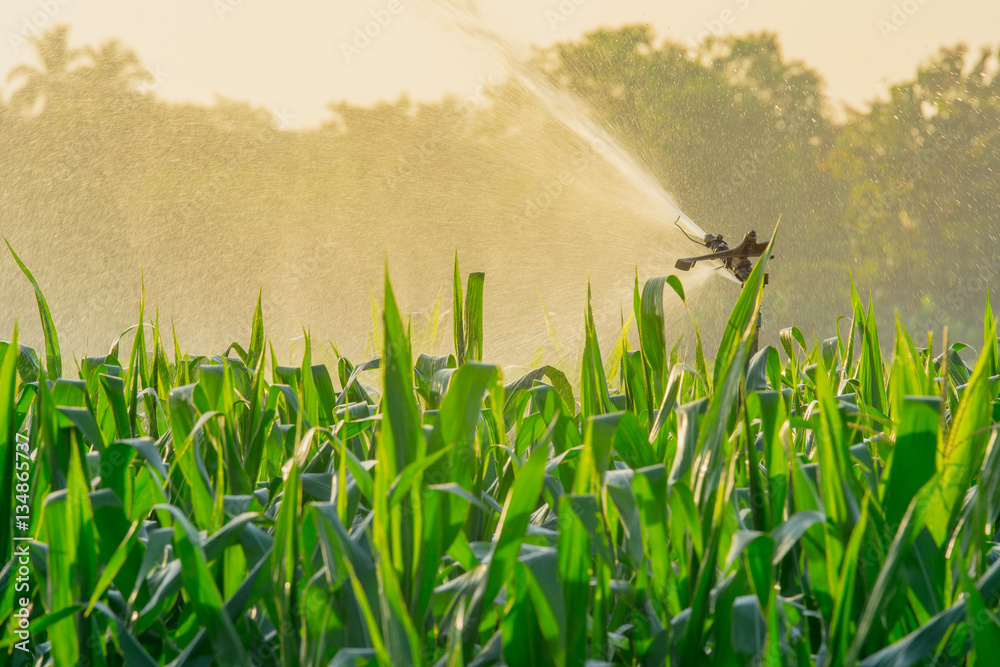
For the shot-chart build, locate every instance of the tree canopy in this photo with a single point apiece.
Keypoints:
(903, 195)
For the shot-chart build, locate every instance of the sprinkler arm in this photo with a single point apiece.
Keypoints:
(736, 260)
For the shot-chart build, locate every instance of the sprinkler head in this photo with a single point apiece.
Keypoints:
(735, 260)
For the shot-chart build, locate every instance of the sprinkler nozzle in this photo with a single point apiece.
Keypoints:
(735, 260)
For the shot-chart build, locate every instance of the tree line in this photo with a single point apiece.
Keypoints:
(903, 195)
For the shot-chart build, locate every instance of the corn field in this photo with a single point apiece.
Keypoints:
(817, 505)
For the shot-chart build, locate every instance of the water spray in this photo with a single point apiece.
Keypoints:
(735, 261)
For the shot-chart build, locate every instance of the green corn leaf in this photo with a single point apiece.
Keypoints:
(520, 503)
(960, 454)
(982, 621)
(651, 335)
(839, 504)
(842, 631)
(8, 444)
(474, 317)
(205, 597)
(256, 349)
(53, 357)
(913, 458)
(744, 313)
(284, 566)
(594, 396)
(458, 314)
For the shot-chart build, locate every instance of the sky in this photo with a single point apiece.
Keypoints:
(296, 56)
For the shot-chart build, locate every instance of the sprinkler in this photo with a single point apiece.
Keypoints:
(734, 260)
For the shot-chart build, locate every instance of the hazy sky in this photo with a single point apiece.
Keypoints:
(290, 56)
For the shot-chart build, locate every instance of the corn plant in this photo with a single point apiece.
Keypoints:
(824, 507)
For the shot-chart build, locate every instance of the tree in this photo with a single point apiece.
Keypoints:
(734, 131)
(116, 70)
(924, 172)
(52, 84)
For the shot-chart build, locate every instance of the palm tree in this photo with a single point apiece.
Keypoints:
(116, 69)
(51, 83)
